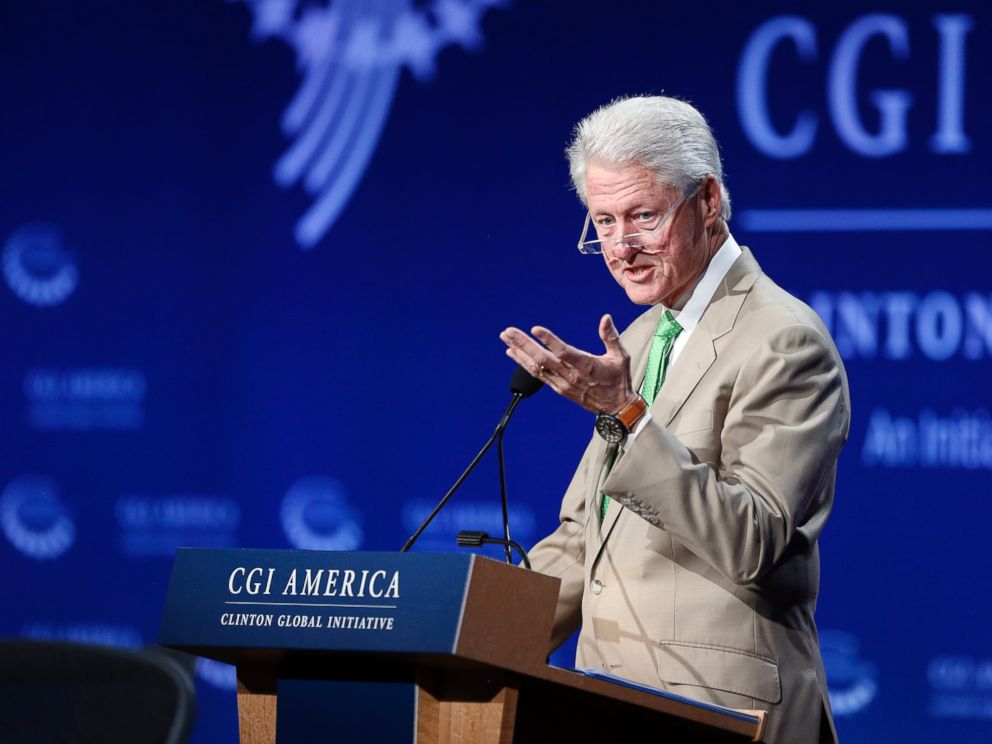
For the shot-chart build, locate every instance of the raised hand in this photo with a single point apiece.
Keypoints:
(597, 383)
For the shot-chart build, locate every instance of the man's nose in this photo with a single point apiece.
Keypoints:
(627, 245)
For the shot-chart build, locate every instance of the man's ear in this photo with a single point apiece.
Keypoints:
(711, 199)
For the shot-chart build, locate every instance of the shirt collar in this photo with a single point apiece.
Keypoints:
(702, 293)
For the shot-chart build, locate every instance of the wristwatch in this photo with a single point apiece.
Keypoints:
(614, 428)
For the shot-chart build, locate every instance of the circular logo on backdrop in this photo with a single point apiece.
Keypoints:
(850, 679)
(316, 516)
(33, 518)
(36, 266)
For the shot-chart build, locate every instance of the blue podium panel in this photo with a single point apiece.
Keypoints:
(314, 600)
(316, 711)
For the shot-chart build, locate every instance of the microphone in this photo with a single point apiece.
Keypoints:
(475, 539)
(522, 385)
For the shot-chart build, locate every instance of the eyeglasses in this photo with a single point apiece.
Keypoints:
(649, 226)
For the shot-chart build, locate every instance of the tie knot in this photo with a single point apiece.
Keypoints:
(668, 326)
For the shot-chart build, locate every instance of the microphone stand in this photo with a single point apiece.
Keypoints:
(496, 436)
(476, 539)
(502, 495)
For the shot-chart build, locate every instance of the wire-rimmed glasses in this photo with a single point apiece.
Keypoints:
(645, 240)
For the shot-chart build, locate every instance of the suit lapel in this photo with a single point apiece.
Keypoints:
(613, 513)
(637, 342)
(700, 352)
(599, 532)
(695, 359)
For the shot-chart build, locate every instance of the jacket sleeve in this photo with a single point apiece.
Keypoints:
(786, 420)
(562, 554)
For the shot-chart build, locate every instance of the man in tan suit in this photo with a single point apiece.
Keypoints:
(687, 547)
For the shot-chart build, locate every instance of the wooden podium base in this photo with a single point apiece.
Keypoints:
(457, 707)
(256, 705)
(451, 705)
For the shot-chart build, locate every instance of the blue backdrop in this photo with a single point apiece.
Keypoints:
(256, 256)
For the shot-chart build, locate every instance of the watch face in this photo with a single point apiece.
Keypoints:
(610, 428)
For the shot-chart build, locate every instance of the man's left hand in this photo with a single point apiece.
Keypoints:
(597, 383)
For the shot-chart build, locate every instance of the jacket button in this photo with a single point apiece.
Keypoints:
(596, 586)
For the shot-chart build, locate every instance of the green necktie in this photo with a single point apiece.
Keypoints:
(661, 348)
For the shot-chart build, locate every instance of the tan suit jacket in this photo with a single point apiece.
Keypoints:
(703, 578)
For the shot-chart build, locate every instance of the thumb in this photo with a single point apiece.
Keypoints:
(610, 335)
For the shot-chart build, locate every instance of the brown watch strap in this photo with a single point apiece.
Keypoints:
(632, 412)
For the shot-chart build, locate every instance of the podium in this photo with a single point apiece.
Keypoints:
(422, 647)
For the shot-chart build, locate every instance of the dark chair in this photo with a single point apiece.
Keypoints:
(59, 692)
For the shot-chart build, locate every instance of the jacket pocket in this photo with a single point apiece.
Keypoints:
(719, 668)
(692, 421)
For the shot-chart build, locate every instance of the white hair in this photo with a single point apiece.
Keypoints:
(665, 135)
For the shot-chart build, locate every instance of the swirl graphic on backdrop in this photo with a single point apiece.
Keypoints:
(316, 516)
(350, 54)
(851, 680)
(34, 519)
(36, 266)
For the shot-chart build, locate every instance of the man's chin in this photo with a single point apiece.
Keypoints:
(641, 295)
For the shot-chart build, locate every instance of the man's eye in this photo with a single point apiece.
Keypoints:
(645, 216)
(605, 221)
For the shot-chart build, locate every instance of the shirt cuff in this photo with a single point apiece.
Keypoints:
(638, 428)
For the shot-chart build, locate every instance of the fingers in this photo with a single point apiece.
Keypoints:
(527, 352)
(537, 369)
(597, 383)
(514, 338)
(549, 364)
(610, 335)
(572, 360)
(554, 344)
(554, 354)
(524, 360)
